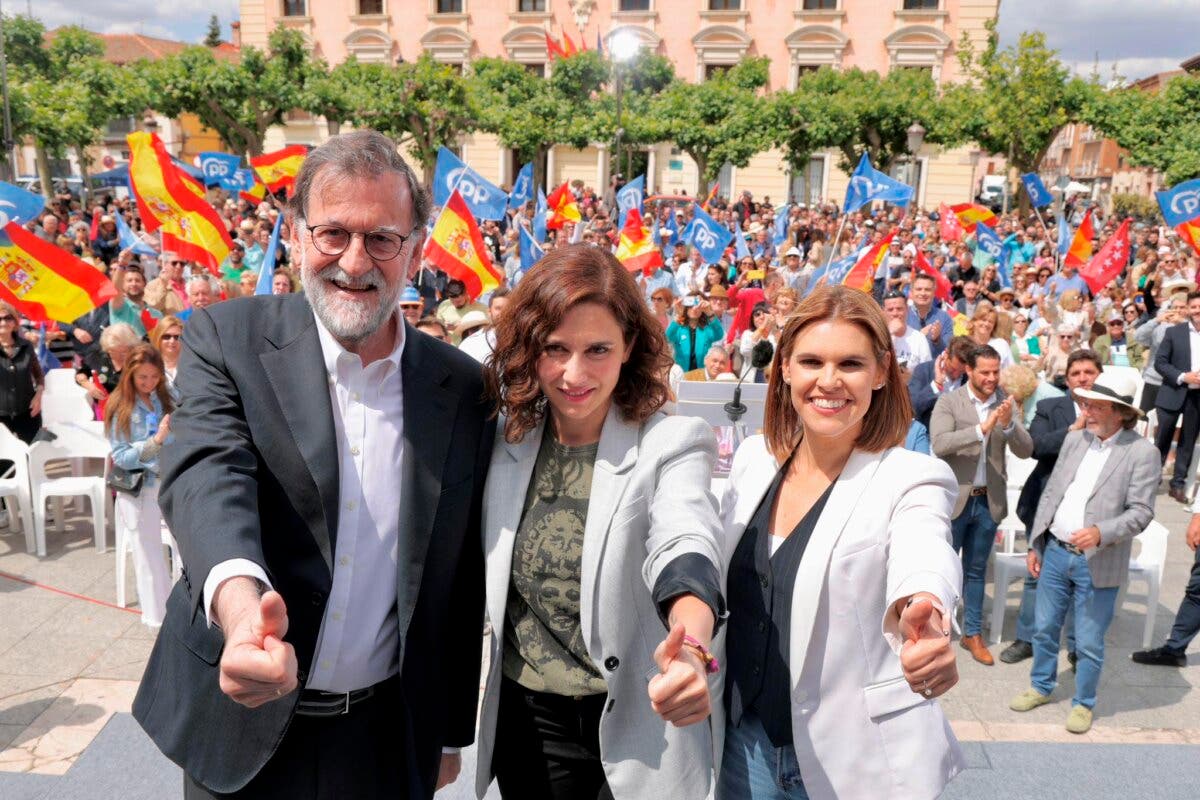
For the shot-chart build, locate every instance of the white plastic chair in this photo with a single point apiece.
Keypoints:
(14, 485)
(1007, 566)
(43, 487)
(1018, 470)
(66, 407)
(124, 548)
(62, 381)
(1147, 566)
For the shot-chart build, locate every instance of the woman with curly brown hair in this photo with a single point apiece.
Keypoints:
(601, 539)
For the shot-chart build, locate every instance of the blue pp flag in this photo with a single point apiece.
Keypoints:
(531, 251)
(219, 169)
(630, 196)
(483, 197)
(130, 241)
(835, 274)
(18, 205)
(1064, 235)
(868, 183)
(1180, 203)
(707, 235)
(540, 215)
(522, 191)
(987, 245)
(739, 240)
(1039, 195)
(781, 224)
(267, 271)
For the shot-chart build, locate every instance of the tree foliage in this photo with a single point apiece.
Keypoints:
(213, 36)
(1160, 130)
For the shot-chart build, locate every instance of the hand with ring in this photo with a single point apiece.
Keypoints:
(926, 657)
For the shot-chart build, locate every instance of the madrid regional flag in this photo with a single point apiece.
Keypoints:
(45, 282)
(457, 247)
(278, 169)
(169, 201)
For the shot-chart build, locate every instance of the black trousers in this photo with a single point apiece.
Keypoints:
(24, 425)
(1187, 619)
(548, 746)
(355, 756)
(1187, 437)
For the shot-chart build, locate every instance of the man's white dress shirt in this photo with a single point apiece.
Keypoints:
(1070, 514)
(982, 408)
(358, 645)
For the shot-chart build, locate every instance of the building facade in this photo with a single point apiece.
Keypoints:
(698, 36)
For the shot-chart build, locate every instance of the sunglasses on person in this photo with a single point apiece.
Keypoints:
(7, 318)
(170, 337)
(178, 263)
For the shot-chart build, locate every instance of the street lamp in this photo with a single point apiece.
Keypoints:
(915, 138)
(623, 46)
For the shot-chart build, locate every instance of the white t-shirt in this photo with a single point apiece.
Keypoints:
(912, 346)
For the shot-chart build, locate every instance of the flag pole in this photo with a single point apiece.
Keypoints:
(836, 239)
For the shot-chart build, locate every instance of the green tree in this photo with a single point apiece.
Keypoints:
(721, 120)
(239, 100)
(531, 114)
(333, 93)
(423, 104)
(854, 112)
(1160, 130)
(1019, 98)
(213, 37)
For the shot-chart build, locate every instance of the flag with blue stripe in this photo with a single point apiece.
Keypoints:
(130, 241)
(988, 246)
(631, 195)
(267, 271)
(868, 184)
(531, 251)
(835, 273)
(484, 198)
(18, 205)
(1064, 234)
(539, 217)
(706, 235)
(1039, 195)
(781, 224)
(1180, 204)
(739, 240)
(522, 191)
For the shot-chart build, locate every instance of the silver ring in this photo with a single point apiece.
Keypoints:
(925, 690)
(279, 692)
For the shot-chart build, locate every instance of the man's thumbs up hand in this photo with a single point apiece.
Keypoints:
(257, 666)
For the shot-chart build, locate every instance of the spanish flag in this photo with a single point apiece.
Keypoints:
(165, 200)
(1190, 233)
(254, 195)
(563, 207)
(278, 169)
(862, 275)
(457, 247)
(569, 48)
(711, 194)
(45, 282)
(1080, 252)
(971, 214)
(635, 249)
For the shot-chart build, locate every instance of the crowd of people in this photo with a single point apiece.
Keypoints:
(595, 649)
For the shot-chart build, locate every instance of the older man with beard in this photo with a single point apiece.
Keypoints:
(325, 488)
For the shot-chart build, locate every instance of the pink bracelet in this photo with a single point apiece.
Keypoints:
(708, 659)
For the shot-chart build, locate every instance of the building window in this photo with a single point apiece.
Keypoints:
(805, 69)
(370, 6)
(536, 69)
(920, 5)
(634, 5)
(527, 6)
(295, 8)
(820, 5)
(449, 6)
(713, 70)
(724, 5)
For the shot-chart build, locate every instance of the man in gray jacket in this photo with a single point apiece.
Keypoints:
(1099, 496)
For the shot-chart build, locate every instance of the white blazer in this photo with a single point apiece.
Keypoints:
(858, 728)
(650, 503)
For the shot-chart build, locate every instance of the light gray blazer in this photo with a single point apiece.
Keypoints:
(952, 438)
(650, 503)
(1121, 504)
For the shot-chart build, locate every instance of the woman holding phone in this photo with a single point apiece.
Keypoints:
(693, 331)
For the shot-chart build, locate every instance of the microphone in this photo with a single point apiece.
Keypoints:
(760, 358)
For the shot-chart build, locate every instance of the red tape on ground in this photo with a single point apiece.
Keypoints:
(56, 590)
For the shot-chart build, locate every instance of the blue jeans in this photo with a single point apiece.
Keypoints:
(974, 533)
(1025, 620)
(754, 769)
(1066, 582)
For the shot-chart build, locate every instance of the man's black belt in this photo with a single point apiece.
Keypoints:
(978, 491)
(1070, 548)
(316, 703)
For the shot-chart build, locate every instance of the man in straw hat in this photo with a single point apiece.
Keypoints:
(1099, 496)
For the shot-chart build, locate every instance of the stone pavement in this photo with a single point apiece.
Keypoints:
(69, 662)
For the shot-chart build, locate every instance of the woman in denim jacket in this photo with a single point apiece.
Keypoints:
(138, 423)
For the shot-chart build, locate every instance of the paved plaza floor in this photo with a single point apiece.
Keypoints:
(70, 662)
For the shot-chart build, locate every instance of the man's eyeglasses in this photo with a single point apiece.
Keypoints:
(170, 337)
(7, 318)
(332, 240)
(178, 263)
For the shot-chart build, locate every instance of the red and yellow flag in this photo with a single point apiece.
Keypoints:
(711, 194)
(563, 207)
(569, 48)
(862, 275)
(1190, 233)
(971, 214)
(255, 194)
(278, 169)
(635, 249)
(457, 247)
(553, 48)
(177, 206)
(45, 282)
(1080, 251)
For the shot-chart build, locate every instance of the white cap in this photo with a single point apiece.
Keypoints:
(793, 251)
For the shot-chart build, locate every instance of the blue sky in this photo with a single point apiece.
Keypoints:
(1141, 38)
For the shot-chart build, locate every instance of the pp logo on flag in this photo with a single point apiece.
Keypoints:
(460, 178)
(862, 184)
(627, 198)
(522, 186)
(1186, 203)
(705, 238)
(215, 169)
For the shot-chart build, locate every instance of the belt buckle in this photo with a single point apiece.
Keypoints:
(346, 708)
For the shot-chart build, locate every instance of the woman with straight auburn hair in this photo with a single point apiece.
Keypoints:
(602, 545)
(841, 580)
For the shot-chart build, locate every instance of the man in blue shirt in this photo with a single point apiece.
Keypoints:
(925, 315)
(1067, 279)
